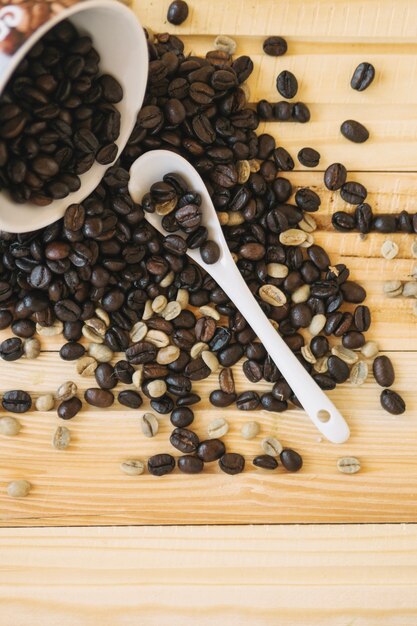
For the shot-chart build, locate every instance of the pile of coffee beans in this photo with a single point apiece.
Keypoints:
(57, 117)
(103, 273)
(181, 210)
(364, 221)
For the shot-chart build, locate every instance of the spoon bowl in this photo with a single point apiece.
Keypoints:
(151, 167)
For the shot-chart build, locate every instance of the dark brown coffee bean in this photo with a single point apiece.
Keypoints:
(124, 372)
(111, 88)
(362, 318)
(230, 355)
(363, 76)
(287, 84)
(210, 252)
(353, 340)
(141, 352)
(197, 369)
(211, 450)
(184, 440)
(392, 402)
(69, 408)
(252, 370)
(383, 371)
(319, 346)
(16, 401)
(71, 351)
(338, 369)
(352, 292)
(232, 463)
(281, 391)
(188, 400)
(307, 200)
(364, 218)
(101, 398)
(283, 159)
(105, 376)
(6, 319)
(190, 464)
(129, 398)
(205, 329)
(291, 460)
(247, 401)
(354, 193)
(275, 46)
(354, 131)
(301, 315)
(162, 405)
(11, 349)
(23, 328)
(265, 461)
(67, 310)
(335, 176)
(177, 12)
(343, 222)
(270, 402)
(73, 330)
(182, 417)
(221, 399)
(309, 157)
(161, 464)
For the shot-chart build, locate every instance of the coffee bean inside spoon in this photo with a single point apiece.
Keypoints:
(152, 167)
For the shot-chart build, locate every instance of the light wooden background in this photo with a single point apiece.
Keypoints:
(246, 575)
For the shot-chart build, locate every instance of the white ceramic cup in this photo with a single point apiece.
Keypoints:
(119, 39)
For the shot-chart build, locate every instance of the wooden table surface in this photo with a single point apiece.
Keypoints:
(294, 575)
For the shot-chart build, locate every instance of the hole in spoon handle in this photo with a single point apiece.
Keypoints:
(330, 423)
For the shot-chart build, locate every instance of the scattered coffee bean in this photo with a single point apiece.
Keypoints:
(149, 424)
(247, 401)
(335, 176)
(309, 157)
(393, 288)
(354, 131)
(69, 408)
(184, 440)
(275, 46)
(211, 450)
(31, 348)
(370, 349)
(291, 460)
(271, 446)
(130, 398)
(132, 467)
(190, 464)
(177, 12)
(72, 351)
(250, 430)
(9, 426)
(265, 461)
(16, 401)
(363, 76)
(61, 438)
(18, 488)
(11, 349)
(161, 464)
(359, 373)
(217, 428)
(101, 398)
(232, 463)
(66, 391)
(348, 465)
(392, 402)
(287, 84)
(86, 366)
(45, 403)
(383, 371)
(389, 249)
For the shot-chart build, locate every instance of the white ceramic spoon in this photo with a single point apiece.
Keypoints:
(150, 168)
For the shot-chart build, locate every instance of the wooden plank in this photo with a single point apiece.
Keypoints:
(84, 485)
(316, 575)
(309, 20)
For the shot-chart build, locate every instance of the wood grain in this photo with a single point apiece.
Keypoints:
(291, 576)
(84, 484)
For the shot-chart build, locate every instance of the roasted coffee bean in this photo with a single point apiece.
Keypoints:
(392, 402)
(343, 222)
(124, 372)
(353, 340)
(184, 440)
(221, 399)
(338, 369)
(252, 370)
(16, 401)
(354, 193)
(141, 352)
(354, 131)
(188, 400)
(161, 464)
(177, 12)
(319, 346)
(101, 398)
(11, 349)
(291, 460)
(6, 318)
(385, 224)
(71, 351)
(275, 46)
(363, 76)
(24, 328)
(265, 461)
(129, 398)
(210, 252)
(383, 371)
(270, 402)
(190, 464)
(247, 401)
(182, 417)
(335, 176)
(283, 159)
(232, 463)
(307, 200)
(230, 355)
(363, 218)
(211, 450)
(69, 408)
(352, 292)
(309, 157)
(287, 84)
(162, 405)
(105, 376)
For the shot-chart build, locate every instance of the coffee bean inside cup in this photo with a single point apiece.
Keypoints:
(57, 118)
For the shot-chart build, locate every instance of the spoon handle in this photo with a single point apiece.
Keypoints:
(317, 405)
